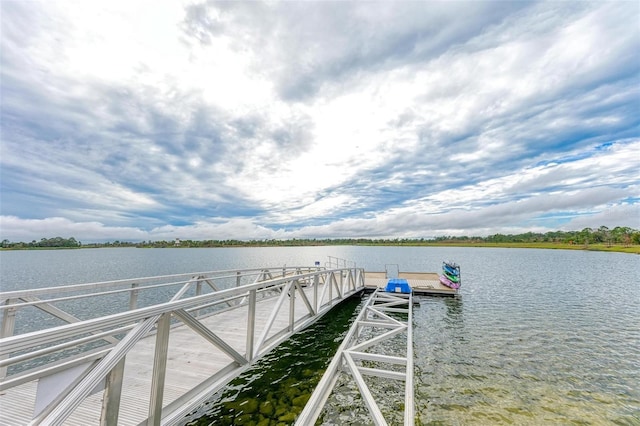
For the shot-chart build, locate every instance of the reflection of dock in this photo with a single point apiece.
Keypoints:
(422, 283)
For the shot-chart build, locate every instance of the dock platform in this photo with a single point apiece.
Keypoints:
(422, 283)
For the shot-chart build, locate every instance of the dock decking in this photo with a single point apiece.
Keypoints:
(422, 283)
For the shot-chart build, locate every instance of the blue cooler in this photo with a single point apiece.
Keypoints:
(398, 285)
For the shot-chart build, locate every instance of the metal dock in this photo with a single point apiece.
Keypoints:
(148, 351)
(153, 364)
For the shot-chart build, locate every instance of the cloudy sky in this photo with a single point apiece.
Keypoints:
(139, 120)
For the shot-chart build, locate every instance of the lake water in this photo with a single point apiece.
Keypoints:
(536, 336)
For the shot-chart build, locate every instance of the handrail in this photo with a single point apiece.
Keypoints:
(338, 262)
(12, 301)
(222, 274)
(16, 343)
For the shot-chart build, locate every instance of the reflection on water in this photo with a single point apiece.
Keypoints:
(454, 311)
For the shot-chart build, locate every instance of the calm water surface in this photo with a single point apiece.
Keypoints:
(536, 336)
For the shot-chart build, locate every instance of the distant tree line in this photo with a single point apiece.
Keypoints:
(617, 236)
(620, 235)
(44, 242)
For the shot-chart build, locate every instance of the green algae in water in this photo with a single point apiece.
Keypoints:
(276, 389)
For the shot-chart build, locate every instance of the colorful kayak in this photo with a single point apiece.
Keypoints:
(451, 277)
(450, 269)
(446, 281)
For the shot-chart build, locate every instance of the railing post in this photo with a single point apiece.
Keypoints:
(112, 395)
(198, 293)
(8, 326)
(352, 279)
(133, 297)
(316, 282)
(238, 275)
(159, 369)
(292, 304)
(251, 324)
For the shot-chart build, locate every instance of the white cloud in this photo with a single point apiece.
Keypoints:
(18, 229)
(243, 119)
(616, 215)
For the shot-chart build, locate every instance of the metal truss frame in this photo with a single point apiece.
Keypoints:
(377, 326)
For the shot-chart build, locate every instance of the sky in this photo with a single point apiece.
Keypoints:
(145, 120)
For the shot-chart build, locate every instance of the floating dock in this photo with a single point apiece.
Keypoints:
(422, 283)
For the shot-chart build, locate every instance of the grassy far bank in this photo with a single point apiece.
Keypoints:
(619, 239)
(553, 246)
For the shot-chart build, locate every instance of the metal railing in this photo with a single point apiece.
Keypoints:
(97, 346)
(361, 354)
(337, 262)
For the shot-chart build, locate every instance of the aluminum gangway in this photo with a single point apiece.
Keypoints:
(365, 352)
(148, 351)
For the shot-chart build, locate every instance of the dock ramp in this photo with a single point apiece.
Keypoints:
(367, 351)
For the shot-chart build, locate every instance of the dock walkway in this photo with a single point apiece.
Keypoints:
(159, 372)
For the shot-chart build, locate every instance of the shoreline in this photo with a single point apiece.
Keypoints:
(632, 249)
